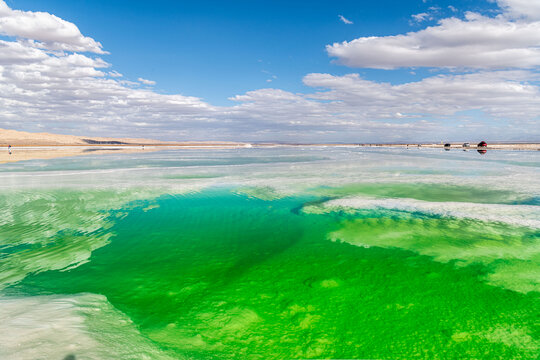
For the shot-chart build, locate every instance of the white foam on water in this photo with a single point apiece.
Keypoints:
(89, 327)
(79, 202)
(510, 254)
(55, 229)
(315, 167)
(86, 326)
(517, 215)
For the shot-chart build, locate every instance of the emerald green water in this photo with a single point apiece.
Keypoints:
(433, 192)
(249, 272)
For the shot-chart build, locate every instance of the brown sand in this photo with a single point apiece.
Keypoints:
(33, 153)
(29, 146)
(22, 138)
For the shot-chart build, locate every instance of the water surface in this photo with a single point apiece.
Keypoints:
(270, 254)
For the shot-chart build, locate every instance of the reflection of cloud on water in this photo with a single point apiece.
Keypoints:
(53, 214)
(518, 215)
(504, 238)
(54, 230)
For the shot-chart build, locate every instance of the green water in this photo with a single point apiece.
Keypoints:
(222, 276)
(271, 254)
(433, 192)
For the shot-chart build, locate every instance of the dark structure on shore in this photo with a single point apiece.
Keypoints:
(107, 142)
(482, 144)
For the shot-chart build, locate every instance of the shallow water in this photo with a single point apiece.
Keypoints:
(271, 254)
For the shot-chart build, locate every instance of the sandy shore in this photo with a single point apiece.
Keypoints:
(25, 139)
(51, 152)
(31, 146)
(21, 153)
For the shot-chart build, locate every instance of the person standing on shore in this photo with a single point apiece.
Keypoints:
(9, 149)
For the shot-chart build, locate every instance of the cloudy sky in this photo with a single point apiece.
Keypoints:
(272, 70)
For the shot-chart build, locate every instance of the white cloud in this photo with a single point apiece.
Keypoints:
(431, 14)
(12, 52)
(349, 106)
(59, 92)
(528, 9)
(475, 42)
(421, 17)
(146, 82)
(500, 94)
(43, 90)
(115, 74)
(48, 31)
(345, 20)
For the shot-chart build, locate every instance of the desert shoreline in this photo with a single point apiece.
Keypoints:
(24, 152)
(224, 144)
(45, 152)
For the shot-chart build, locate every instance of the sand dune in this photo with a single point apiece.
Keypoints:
(30, 146)
(22, 138)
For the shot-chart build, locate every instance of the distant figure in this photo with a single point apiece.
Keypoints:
(447, 146)
(9, 149)
(143, 147)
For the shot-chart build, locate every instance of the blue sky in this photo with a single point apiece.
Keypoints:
(229, 54)
(217, 49)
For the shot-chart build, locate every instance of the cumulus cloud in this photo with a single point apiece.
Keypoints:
(62, 92)
(345, 20)
(350, 106)
(146, 82)
(11, 52)
(528, 9)
(500, 94)
(68, 92)
(46, 30)
(509, 40)
(475, 42)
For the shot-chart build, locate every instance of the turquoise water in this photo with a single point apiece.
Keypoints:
(285, 254)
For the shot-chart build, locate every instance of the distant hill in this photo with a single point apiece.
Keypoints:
(13, 137)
